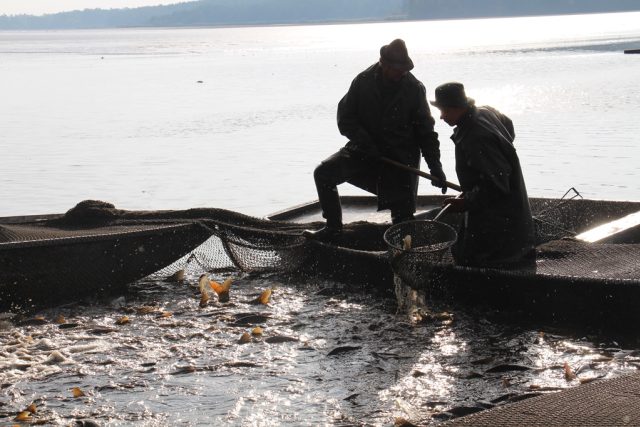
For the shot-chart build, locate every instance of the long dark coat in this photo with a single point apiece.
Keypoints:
(498, 229)
(396, 123)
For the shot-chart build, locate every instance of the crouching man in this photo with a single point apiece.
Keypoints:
(497, 229)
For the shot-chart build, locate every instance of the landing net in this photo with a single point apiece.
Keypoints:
(414, 245)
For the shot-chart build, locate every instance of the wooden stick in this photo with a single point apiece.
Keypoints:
(450, 185)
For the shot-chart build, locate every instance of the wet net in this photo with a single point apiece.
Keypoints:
(559, 255)
(256, 246)
(96, 246)
(416, 245)
(553, 218)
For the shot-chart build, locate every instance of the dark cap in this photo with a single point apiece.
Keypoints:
(451, 95)
(395, 55)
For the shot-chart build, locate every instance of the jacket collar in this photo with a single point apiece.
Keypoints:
(464, 124)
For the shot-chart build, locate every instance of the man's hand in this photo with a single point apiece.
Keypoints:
(456, 204)
(441, 179)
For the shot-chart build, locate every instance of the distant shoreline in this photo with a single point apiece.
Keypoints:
(302, 23)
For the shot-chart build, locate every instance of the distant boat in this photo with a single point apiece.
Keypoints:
(632, 51)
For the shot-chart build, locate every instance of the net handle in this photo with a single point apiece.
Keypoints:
(418, 172)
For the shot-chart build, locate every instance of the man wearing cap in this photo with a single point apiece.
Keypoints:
(497, 230)
(384, 113)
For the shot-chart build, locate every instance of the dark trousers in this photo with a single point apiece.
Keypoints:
(345, 166)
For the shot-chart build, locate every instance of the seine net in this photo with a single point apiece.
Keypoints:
(211, 239)
(232, 241)
(255, 247)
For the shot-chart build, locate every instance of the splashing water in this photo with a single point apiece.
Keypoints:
(325, 355)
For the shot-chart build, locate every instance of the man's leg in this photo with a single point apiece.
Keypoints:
(333, 171)
(401, 213)
(403, 208)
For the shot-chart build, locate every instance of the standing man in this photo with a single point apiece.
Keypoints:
(384, 113)
(497, 230)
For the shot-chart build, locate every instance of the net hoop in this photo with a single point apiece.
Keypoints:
(427, 236)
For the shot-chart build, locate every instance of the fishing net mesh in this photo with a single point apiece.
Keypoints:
(612, 402)
(196, 240)
(255, 247)
(209, 239)
(553, 217)
(416, 245)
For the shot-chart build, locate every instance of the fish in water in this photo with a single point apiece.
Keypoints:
(278, 339)
(406, 242)
(57, 358)
(222, 290)
(203, 285)
(178, 276)
(24, 416)
(77, 392)
(122, 320)
(264, 297)
(568, 372)
(146, 309)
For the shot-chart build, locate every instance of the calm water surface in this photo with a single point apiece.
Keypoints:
(238, 118)
(120, 115)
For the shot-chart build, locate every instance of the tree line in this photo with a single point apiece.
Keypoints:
(264, 12)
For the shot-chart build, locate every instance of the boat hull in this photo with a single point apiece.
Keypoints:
(516, 295)
(595, 284)
(51, 271)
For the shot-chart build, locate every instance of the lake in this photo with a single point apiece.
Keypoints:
(238, 118)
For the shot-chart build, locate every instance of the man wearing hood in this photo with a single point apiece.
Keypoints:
(384, 113)
(497, 229)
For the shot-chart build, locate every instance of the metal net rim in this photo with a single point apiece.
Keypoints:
(431, 248)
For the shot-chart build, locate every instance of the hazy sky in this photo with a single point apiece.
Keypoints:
(40, 7)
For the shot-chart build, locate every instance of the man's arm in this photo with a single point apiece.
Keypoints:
(427, 139)
(349, 122)
(425, 134)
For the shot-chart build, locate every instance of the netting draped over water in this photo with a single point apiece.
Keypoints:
(236, 242)
(216, 239)
(251, 247)
(95, 246)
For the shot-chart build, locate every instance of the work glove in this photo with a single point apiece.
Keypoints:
(455, 204)
(441, 179)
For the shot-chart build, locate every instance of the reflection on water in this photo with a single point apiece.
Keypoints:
(239, 117)
(326, 356)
